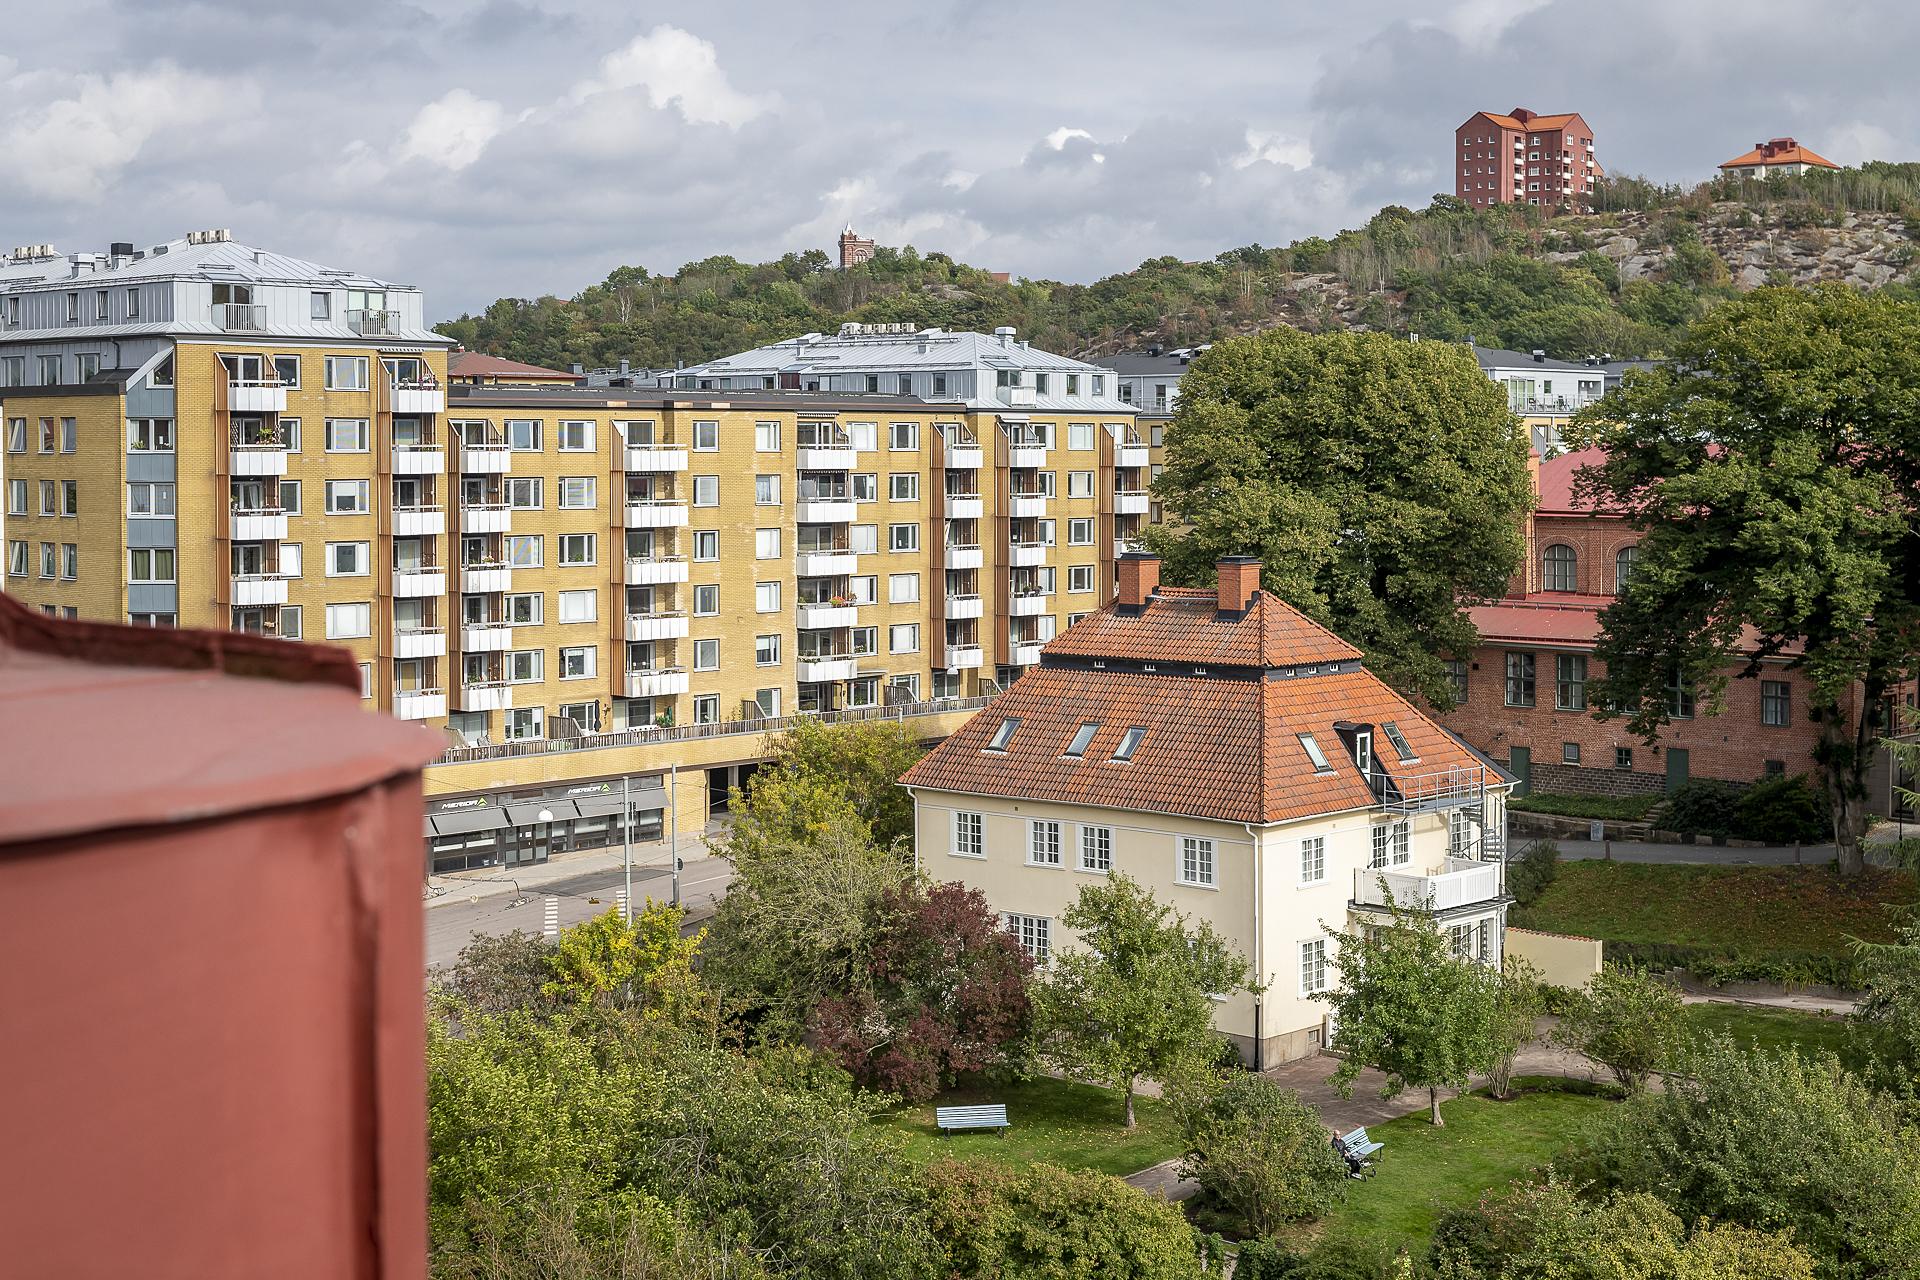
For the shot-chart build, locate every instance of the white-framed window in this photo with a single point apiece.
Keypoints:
(903, 588)
(524, 435)
(706, 600)
(706, 655)
(1196, 861)
(863, 539)
(766, 651)
(349, 497)
(864, 485)
(706, 491)
(366, 680)
(766, 437)
(706, 544)
(69, 497)
(49, 566)
(903, 486)
(1079, 577)
(291, 622)
(766, 597)
(866, 641)
(969, 836)
(577, 493)
(766, 544)
(526, 666)
(863, 588)
(706, 437)
(1096, 849)
(526, 608)
(706, 708)
(19, 557)
(349, 559)
(17, 491)
(1459, 833)
(69, 435)
(1390, 845)
(579, 606)
(49, 497)
(903, 436)
(766, 491)
(144, 435)
(70, 561)
(580, 662)
(1079, 434)
(1314, 972)
(525, 723)
(1313, 859)
(349, 621)
(346, 373)
(1080, 533)
(903, 637)
(346, 435)
(864, 435)
(287, 370)
(576, 435)
(526, 550)
(1032, 933)
(1043, 843)
(16, 435)
(903, 537)
(579, 548)
(319, 304)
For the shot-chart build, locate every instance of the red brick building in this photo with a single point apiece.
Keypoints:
(1523, 157)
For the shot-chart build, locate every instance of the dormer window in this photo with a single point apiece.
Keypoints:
(1363, 751)
(1004, 734)
(1081, 737)
(1314, 753)
(1129, 743)
(1399, 741)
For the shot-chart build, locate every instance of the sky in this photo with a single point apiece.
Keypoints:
(488, 148)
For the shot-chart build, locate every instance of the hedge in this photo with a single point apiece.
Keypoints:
(1717, 966)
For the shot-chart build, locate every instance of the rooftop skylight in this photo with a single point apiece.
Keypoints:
(1081, 737)
(1004, 734)
(1314, 753)
(1129, 743)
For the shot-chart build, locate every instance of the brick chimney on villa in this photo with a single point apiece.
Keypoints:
(1239, 580)
(854, 250)
(1139, 577)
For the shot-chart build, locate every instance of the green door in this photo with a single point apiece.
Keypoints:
(1520, 765)
(1676, 769)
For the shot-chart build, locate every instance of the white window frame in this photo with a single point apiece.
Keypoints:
(589, 596)
(362, 489)
(1198, 865)
(1315, 967)
(345, 629)
(355, 367)
(1044, 847)
(576, 429)
(967, 835)
(362, 553)
(1096, 849)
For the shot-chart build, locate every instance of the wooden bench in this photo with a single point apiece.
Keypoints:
(951, 1119)
(1357, 1149)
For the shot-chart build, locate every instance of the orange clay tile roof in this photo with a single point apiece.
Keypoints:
(1183, 625)
(1539, 124)
(1779, 151)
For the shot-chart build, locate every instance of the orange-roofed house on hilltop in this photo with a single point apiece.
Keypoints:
(1236, 759)
(1778, 155)
(1523, 157)
(481, 369)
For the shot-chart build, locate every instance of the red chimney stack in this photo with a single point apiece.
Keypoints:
(1139, 575)
(1239, 579)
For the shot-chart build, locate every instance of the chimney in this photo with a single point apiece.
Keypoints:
(1239, 583)
(1539, 356)
(1139, 575)
(1005, 334)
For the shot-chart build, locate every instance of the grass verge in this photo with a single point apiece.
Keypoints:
(1076, 1126)
(1775, 1028)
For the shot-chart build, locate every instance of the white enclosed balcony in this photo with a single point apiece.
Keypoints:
(485, 459)
(964, 657)
(656, 458)
(486, 517)
(419, 522)
(420, 642)
(486, 637)
(265, 525)
(374, 323)
(1130, 502)
(1462, 882)
(656, 626)
(485, 695)
(477, 578)
(824, 510)
(419, 397)
(643, 572)
(258, 453)
(419, 704)
(419, 459)
(961, 607)
(972, 507)
(1021, 554)
(815, 617)
(1018, 397)
(1024, 655)
(660, 682)
(1131, 455)
(256, 395)
(824, 667)
(656, 513)
(826, 457)
(825, 564)
(966, 457)
(963, 557)
(1028, 606)
(1027, 455)
(240, 317)
(259, 588)
(1027, 504)
(411, 583)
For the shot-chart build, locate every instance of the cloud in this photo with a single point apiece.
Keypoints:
(452, 131)
(73, 147)
(680, 69)
(1061, 136)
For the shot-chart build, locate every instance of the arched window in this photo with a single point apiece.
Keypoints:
(1559, 568)
(1623, 567)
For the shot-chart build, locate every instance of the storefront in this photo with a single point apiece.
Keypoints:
(530, 825)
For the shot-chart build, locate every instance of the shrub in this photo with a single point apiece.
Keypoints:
(1518, 1003)
(1614, 808)
(1782, 811)
(1717, 966)
(1703, 808)
(1627, 1022)
(1263, 1153)
(1529, 874)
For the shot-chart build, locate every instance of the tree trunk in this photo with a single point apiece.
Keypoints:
(1844, 752)
(1129, 1102)
(1433, 1106)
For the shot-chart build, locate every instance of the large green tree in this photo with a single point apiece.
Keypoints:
(1382, 484)
(1774, 467)
(863, 760)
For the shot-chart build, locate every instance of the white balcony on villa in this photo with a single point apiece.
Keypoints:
(485, 695)
(825, 564)
(964, 657)
(477, 578)
(824, 510)
(1461, 883)
(1027, 455)
(660, 682)
(1131, 455)
(656, 626)
(259, 526)
(645, 571)
(966, 457)
(822, 667)
(815, 617)
(656, 513)
(485, 459)
(962, 607)
(1027, 504)
(419, 460)
(419, 642)
(656, 459)
(1130, 502)
(1028, 605)
(486, 637)
(259, 588)
(970, 507)
(422, 581)
(1024, 654)
(826, 457)
(1021, 554)
(419, 704)
(256, 395)
(419, 522)
(963, 557)
(486, 517)
(410, 397)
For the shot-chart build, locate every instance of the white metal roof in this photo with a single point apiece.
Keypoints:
(223, 260)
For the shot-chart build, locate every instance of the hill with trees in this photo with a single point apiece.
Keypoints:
(1623, 280)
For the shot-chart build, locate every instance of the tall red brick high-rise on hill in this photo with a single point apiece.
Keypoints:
(1523, 157)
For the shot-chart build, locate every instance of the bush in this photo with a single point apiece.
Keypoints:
(1782, 811)
(1339, 1258)
(1529, 874)
(1703, 808)
(1627, 1022)
(1612, 808)
(1263, 1154)
(1717, 966)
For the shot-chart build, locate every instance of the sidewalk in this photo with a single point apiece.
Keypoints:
(649, 859)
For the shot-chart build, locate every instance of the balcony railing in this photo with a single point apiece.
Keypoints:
(240, 317)
(1462, 882)
(374, 323)
(260, 436)
(1430, 792)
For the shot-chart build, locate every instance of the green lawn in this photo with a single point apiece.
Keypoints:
(1773, 1028)
(1748, 909)
(1616, 808)
(1484, 1145)
(1077, 1126)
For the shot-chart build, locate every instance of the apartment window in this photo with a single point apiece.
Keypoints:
(576, 436)
(525, 609)
(706, 437)
(766, 544)
(366, 680)
(1043, 844)
(903, 486)
(580, 662)
(903, 537)
(766, 651)
(577, 493)
(864, 588)
(348, 559)
(1623, 560)
(346, 435)
(349, 621)
(969, 831)
(290, 432)
(147, 435)
(766, 597)
(863, 539)
(1569, 753)
(766, 437)
(523, 493)
(1096, 849)
(864, 435)
(1390, 845)
(1457, 677)
(903, 588)
(1196, 861)
(17, 497)
(766, 491)
(1679, 696)
(1570, 682)
(1080, 577)
(287, 370)
(1079, 434)
(866, 641)
(1775, 703)
(19, 557)
(939, 384)
(526, 550)
(1520, 684)
(290, 622)
(706, 709)
(16, 435)
(1313, 860)
(873, 383)
(70, 562)
(526, 666)
(69, 497)
(706, 491)
(69, 436)
(346, 373)
(1559, 568)
(49, 565)
(706, 599)
(904, 436)
(49, 497)
(706, 544)
(1032, 933)
(524, 435)
(903, 637)
(133, 304)
(49, 439)
(579, 606)
(319, 305)
(525, 724)
(1079, 484)
(348, 497)
(864, 485)
(52, 371)
(585, 715)
(706, 655)
(579, 548)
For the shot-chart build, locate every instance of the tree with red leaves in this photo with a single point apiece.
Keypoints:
(945, 993)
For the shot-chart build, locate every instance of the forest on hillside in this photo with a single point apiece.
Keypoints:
(1622, 281)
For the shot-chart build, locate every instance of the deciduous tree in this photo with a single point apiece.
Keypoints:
(645, 966)
(1263, 1153)
(1627, 1021)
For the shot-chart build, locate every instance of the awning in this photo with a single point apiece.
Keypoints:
(528, 814)
(605, 806)
(462, 821)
